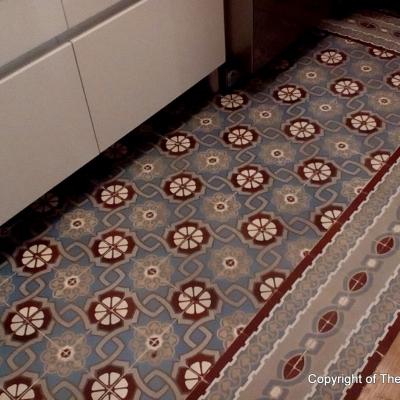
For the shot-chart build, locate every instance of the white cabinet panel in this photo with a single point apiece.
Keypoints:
(77, 11)
(45, 129)
(26, 24)
(142, 58)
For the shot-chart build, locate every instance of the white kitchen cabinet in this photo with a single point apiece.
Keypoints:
(26, 24)
(139, 60)
(111, 78)
(77, 11)
(45, 129)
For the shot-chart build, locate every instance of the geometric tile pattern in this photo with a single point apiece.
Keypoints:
(370, 271)
(133, 278)
(329, 299)
(379, 28)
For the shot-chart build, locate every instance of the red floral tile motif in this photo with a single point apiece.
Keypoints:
(289, 94)
(302, 129)
(262, 229)
(37, 256)
(183, 186)
(268, 285)
(178, 143)
(6, 231)
(394, 80)
(347, 87)
(46, 203)
(197, 368)
(110, 383)
(232, 102)
(381, 53)
(364, 122)
(111, 310)
(377, 160)
(357, 281)
(188, 237)
(116, 151)
(331, 57)
(317, 171)
(327, 217)
(385, 245)
(21, 388)
(194, 300)
(113, 246)
(293, 367)
(27, 320)
(250, 178)
(240, 136)
(367, 24)
(281, 65)
(327, 321)
(114, 194)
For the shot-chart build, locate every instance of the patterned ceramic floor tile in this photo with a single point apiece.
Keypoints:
(306, 332)
(142, 274)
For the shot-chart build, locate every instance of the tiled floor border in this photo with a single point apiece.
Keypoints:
(393, 330)
(276, 297)
(290, 280)
(338, 28)
(343, 36)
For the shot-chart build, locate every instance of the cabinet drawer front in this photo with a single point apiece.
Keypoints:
(138, 61)
(26, 24)
(45, 129)
(77, 11)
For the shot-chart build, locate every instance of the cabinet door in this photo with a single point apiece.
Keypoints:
(138, 61)
(26, 24)
(45, 129)
(77, 11)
